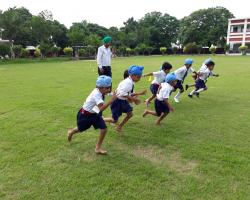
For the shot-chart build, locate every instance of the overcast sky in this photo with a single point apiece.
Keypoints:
(114, 12)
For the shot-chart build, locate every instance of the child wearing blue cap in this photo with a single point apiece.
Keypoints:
(162, 106)
(204, 73)
(125, 96)
(91, 112)
(181, 74)
(195, 76)
(159, 77)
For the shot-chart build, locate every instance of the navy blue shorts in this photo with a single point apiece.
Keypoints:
(161, 107)
(118, 107)
(179, 85)
(85, 121)
(154, 88)
(106, 71)
(200, 84)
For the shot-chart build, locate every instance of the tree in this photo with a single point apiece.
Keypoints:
(162, 29)
(45, 48)
(17, 50)
(16, 25)
(205, 27)
(190, 48)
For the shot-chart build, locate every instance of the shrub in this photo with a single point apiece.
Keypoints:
(163, 50)
(45, 48)
(55, 50)
(149, 49)
(243, 49)
(24, 53)
(190, 48)
(17, 50)
(128, 51)
(82, 52)
(212, 49)
(4, 50)
(37, 53)
(68, 51)
(175, 49)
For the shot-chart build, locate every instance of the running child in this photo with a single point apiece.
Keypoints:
(181, 74)
(203, 75)
(159, 77)
(162, 106)
(91, 112)
(125, 97)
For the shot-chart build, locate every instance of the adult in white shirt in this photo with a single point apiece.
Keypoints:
(104, 55)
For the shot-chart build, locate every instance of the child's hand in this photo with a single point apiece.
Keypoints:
(144, 92)
(137, 101)
(113, 97)
(171, 109)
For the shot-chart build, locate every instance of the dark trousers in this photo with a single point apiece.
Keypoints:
(106, 71)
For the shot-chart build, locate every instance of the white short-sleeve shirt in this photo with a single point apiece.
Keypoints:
(205, 73)
(104, 56)
(159, 77)
(180, 73)
(93, 100)
(124, 88)
(165, 91)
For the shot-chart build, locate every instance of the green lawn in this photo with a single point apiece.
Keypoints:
(201, 151)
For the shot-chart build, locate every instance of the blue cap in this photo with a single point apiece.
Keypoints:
(207, 61)
(135, 70)
(170, 77)
(188, 61)
(103, 81)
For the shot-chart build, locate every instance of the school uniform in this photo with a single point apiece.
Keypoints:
(181, 74)
(104, 61)
(159, 78)
(121, 104)
(90, 115)
(202, 79)
(164, 93)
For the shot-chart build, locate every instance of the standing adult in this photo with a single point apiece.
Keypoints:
(104, 57)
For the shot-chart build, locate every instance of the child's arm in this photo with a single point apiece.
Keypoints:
(139, 93)
(133, 99)
(102, 106)
(171, 109)
(148, 74)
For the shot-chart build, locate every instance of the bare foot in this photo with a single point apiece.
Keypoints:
(158, 123)
(100, 151)
(144, 114)
(118, 129)
(70, 134)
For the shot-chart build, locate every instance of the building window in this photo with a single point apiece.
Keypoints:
(248, 27)
(237, 29)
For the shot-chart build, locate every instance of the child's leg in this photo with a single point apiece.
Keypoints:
(200, 90)
(151, 98)
(124, 121)
(102, 135)
(71, 132)
(109, 119)
(162, 116)
(146, 112)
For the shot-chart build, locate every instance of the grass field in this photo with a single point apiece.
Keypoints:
(201, 151)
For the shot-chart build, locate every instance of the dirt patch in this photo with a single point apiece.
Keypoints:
(173, 161)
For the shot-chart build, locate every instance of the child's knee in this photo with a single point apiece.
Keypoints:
(130, 114)
(103, 131)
